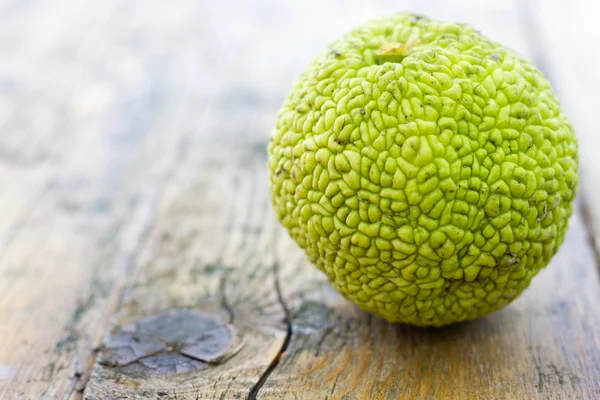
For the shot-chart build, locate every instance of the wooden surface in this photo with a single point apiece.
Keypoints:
(137, 225)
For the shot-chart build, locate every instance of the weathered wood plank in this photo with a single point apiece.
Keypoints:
(54, 218)
(85, 148)
(209, 251)
(545, 345)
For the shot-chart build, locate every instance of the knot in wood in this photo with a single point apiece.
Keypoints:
(171, 342)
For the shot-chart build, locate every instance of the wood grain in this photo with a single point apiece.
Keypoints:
(209, 249)
(92, 128)
(545, 345)
(71, 165)
(138, 225)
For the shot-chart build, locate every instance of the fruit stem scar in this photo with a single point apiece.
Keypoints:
(393, 52)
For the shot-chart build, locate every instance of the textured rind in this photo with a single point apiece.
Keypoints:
(428, 171)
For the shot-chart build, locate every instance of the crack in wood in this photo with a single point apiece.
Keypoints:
(288, 337)
(223, 300)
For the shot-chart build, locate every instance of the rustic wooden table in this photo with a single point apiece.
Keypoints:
(135, 213)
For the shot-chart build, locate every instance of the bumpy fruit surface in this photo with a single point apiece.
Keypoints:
(428, 171)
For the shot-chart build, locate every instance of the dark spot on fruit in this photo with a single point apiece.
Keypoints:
(416, 18)
(280, 171)
(362, 111)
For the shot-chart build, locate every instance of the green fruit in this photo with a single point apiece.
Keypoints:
(427, 170)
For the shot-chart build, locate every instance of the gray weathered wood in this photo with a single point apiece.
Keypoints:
(210, 249)
(544, 345)
(80, 137)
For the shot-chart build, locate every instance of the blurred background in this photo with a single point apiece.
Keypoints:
(116, 62)
(68, 67)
